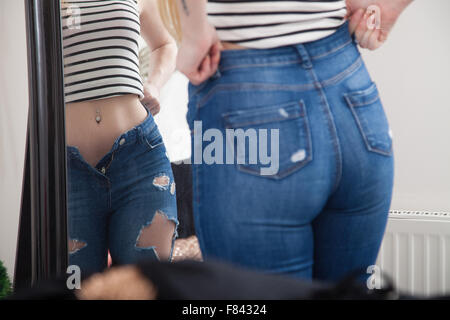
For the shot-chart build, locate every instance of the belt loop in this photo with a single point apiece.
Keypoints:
(140, 135)
(304, 56)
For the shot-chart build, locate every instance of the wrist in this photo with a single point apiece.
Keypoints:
(199, 43)
(154, 86)
(161, 65)
(198, 33)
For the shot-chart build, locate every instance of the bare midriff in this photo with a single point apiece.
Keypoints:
(232, 46)
(94, 140)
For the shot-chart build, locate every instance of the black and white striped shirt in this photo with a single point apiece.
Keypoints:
(101, 52)
(269, 24)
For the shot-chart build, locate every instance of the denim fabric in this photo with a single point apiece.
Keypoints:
(323, 213)
(110, 204)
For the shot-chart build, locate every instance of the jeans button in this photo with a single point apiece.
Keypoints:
(103, 170)
(122, 141)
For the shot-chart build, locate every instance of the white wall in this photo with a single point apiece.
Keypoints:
(412, 72)
(172, 118)
(13, 123)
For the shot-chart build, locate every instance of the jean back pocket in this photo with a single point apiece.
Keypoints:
(371, 120)
(272, 141)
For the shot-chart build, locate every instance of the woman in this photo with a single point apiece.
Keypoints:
(313, 200)
(121, 187)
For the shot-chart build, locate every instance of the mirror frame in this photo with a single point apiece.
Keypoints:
(42, 240)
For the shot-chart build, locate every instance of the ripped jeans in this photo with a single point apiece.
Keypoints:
(318, 209)
(126, 204)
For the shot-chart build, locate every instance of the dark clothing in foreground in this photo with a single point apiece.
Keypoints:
(192, 280)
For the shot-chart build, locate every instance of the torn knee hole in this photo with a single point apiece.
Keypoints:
(76, 245)
(161, 182)
(157, 235)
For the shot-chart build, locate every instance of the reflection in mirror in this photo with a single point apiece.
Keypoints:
(121, 187)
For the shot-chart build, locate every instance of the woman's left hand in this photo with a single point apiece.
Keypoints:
(372, 20)
(151, 98)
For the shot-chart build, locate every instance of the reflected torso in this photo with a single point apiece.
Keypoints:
(101, 59)
(118, 115)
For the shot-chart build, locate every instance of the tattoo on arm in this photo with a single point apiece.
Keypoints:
(185, 7)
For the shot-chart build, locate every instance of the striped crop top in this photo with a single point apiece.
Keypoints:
(269, 24)
(101, 52)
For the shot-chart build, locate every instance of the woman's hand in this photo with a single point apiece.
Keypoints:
(199, 55)
(151, 98)
(372, 20)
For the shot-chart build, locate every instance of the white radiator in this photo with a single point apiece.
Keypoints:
(415, 252)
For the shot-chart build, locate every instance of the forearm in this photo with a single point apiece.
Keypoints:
(200, 46)
(163, 49)
(193, 18)
(162, 64)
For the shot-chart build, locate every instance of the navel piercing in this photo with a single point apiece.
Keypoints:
(98, 118)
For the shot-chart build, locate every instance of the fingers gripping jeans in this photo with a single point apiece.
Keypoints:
(110, 205)
(323, 212)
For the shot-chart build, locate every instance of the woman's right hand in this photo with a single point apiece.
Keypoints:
(199, 55)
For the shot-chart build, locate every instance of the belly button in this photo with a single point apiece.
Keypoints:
(98, 118)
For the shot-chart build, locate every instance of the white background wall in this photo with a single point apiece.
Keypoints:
(172, 118)
(412, 72)
(13, 122)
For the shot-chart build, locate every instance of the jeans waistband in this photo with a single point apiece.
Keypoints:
(315, 50)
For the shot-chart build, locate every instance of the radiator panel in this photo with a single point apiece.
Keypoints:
(415, 252)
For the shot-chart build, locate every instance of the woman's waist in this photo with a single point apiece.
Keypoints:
(238, 54)
(102, 121)
(232, 46)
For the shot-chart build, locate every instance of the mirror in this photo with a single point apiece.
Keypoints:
(122, 190)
